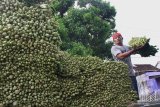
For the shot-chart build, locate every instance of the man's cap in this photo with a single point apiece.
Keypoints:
(115, 35)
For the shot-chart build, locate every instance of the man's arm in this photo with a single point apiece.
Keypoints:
(128, 53)
(125, 54)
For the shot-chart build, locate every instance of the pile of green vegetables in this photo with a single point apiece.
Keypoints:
(146, 49)
(35, 73)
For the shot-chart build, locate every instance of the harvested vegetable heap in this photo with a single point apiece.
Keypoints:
(35, 73)
(136, 42)
(147, 49)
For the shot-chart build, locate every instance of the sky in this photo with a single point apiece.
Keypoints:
(136, 18)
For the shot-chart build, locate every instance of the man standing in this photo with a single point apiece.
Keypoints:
(122, 53)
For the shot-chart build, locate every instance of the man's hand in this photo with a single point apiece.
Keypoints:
(138, 48)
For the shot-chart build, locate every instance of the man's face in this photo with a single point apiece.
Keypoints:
(118, 40)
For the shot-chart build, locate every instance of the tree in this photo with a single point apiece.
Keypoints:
(79, 49)
(61, 6)
(90, 25)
